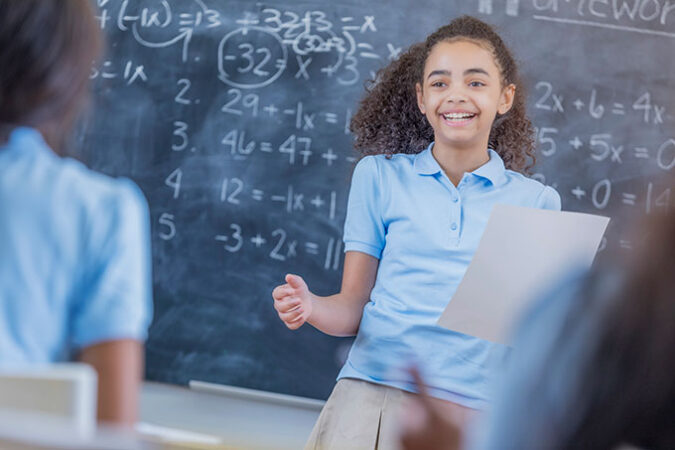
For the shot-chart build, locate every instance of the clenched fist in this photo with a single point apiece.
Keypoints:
(293, 301)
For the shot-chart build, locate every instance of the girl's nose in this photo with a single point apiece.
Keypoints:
(455, 96)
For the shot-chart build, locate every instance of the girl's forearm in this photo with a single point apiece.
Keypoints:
(337, 315)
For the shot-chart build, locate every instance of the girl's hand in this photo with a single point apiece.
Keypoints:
(293, 301)
(426, 424)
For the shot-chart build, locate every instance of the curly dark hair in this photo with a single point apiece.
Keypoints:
(389, 121)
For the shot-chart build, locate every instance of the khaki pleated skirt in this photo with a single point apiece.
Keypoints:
(363, 416)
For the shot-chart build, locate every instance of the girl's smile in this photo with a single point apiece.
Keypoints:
(457, 118)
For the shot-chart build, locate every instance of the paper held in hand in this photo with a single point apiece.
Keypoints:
(522, 252)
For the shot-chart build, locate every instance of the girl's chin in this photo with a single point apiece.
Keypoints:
(459, 143)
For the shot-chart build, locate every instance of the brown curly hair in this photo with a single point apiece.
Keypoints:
(389, 121)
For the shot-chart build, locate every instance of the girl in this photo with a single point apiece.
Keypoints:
(75, 247)
(444, 136)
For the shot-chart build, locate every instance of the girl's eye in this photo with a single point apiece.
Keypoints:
(476, 84)
(438, 84)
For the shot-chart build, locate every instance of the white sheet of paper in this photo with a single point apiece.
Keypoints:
(521, 252)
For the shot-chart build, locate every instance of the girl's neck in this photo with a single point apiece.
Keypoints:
(456, 162)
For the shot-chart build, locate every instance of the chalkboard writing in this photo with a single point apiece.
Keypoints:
(233, 118)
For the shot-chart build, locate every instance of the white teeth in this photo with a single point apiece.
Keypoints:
(456, 116)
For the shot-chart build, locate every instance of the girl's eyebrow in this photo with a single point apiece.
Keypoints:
(438, 72)
(466, 72)
(476, 70)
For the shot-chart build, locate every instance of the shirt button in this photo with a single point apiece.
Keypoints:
(453, 227)
(455, 200)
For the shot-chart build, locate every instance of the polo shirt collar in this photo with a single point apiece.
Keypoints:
(493, 170)
(20, 135)
(425, 163)
(22, 141)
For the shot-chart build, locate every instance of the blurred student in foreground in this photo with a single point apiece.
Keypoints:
(593, 364)
(74, 245)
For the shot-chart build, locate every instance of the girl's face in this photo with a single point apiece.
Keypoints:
(461, 94)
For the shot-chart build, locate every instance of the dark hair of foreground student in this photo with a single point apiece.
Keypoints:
(626, 389)
(47, 48)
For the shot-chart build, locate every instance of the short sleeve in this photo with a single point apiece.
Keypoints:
(364, 228)
(549, 199)
(115, 298)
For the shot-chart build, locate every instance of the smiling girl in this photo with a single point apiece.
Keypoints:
(444, 136)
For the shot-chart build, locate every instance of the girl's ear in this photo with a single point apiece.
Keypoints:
(420, 98)
(506, 99)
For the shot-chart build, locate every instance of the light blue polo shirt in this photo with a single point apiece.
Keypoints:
(74, 255)
(424, 230)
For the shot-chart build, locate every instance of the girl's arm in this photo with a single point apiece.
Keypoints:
(119, 365)
(337, 315)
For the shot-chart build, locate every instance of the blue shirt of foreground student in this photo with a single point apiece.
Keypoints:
(424, 230)
(537, 391)
(74, 255)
